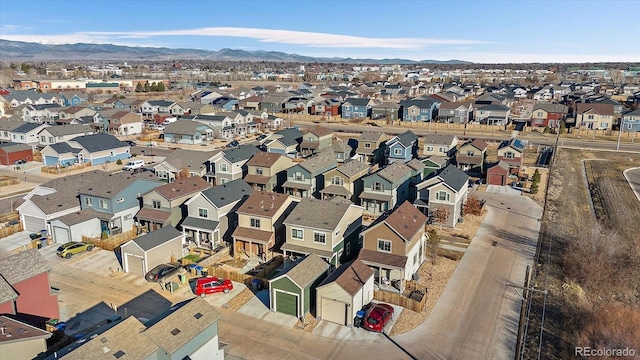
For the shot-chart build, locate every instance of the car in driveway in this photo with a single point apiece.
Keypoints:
(131, 143)
(72, 248)
(233, 143)
(377, 316)
(133, 165)
(161, 272)
(211, 285)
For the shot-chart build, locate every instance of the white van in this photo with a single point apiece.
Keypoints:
(133, 165)
(169, 120)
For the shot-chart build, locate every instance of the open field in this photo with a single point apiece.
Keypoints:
(587, 257)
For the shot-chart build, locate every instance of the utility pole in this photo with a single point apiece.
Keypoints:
(523, 308)
(619, 135)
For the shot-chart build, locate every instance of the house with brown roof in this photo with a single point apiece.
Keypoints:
(267, 171)
(25, 342)
(163, 205)
(315, 140)
(393, 246)
(345, 181)
(260, 231)
(471, 156)
(598, 116)
(371, 147)
(344, 292)
(125, 122)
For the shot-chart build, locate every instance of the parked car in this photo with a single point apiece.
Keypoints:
(377, 316)
(72, 248)
(261, 137)
(131, 143)
(210, 285)
(161, 272)
(133, 165)
(160, 127)
(233, 143)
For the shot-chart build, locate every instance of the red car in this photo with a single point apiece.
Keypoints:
(210, 285)
(377, 316)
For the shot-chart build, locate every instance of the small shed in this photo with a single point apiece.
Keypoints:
(293, 291)
(150, 250)
(344, 292)
(11, 153)
(498, 173)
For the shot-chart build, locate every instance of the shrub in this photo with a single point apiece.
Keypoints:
(119, 162)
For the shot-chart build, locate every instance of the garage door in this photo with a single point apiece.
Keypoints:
(50, 160)
(61, 235)
(135, 265)
(286, 303)
(334, 311)
(496, 179)
(34, 224)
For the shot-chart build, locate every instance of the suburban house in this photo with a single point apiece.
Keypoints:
(353, 108)
(386, 188)
(267, 171)
(61, 154)
(433, 164)
(344, 292)
(595, 116)
(196, 163)
(293, 291)
(163, 205)
(260, 231)
(27, 133)
(153, 107)
(455, 112)
(471, 156)
(631, 121)
(442, 196)
(6, 127)
(72, 98)
(326, 107)
(188, 330)
(151, 249)
(403, 147)
(230, 164)
(393, 246)
(75, 112)
(492, 114)
(419, 109)
(371, 147)
(306, 179)
(25, 288)
(25, 343)
(498, 173)
(211, 216)
(340, 150)
(315, 140)
(327, 228)
(99, 148)
(12, 153)
(62, 133)
(187, 132)
(440, 144)
(548, 115)
(284, 142)
(345, 181)
(125, 122)
(385, 111)
(512, 152)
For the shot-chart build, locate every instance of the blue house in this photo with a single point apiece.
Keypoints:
(385, 189)
(72, 98)
(356, 108)
(403, 147)
(100, 148)
(60, 154)
(225, 103)
(419, 109)
(631, 121)
(306, 179)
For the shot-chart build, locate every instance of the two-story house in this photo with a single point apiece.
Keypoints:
(267, 171)
(595, 116)
(260, 231)
(74, 112)
(631, 121)
(163, 205)
(492, 114)
(455, 112)
(305, 179)
(284, 142)
(402, 147)
(153, 107)
(211, 216)
(62, 133)
(440, 144)
(442, 196)
(230, 164)
(196, 163)
(27, 133)
(393, 245)
(315, 140)
(471, 156)
(419, 109)
(386, 188)
(70, 98)
(371, 147)
(125, 122)
(512, 153)
(327, 228)
(385, 111)
(354, 108)
(345, 181)
(548, 115)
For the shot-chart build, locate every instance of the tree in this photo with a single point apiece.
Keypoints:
(182, 174)
(440, 215)
(536, 176)
(160, 87)
(139, 87)
(472, 206)
(146, 87)
(433, 242)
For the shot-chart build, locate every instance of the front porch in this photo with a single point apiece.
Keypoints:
(376, 203)
(152, 219)
(202, 232)
(389, 269)
(296, 189)
(253, 243)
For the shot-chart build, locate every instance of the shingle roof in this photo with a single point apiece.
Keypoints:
(194, 222)
(439, 139)
(454, 177)
(240, 153)
(454, 105)
(289, 136)
(184, 187)
(415, 164)
(13, 147)
(160, 102)
(406, 138)
(352, 168)
(602, 109)
(394, 171)
(264, 159)
(62, 148)
(81, 216)
(320, 131)
(10, 125)
(350, 276)
(227, 193)
(25, 128)
(551, 108)
(306, 271)
(62, 130)
(158, 237)
(478, 144)
(406, 220)
(184, 127)
(318, 162)
(22, 266)
(318, 214)
(189, 159)
(358, 101)
(99, 142)
(20, 331)
(397, 261)
(492, 107)
(371, 136)
(263, 203)
(113, 183)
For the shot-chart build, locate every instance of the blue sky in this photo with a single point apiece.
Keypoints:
(478, 31)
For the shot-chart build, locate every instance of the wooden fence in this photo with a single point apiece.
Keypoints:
(264, 270)
(7, 181)
(10, 230)
(61, 170)
(112, 242)
(414, 302)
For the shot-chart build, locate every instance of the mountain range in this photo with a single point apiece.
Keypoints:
(29, 51)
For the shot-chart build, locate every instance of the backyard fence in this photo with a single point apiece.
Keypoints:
(260, 273)
(61, 170)
(10, 230)
(415, 301)
(7, 181)
(112, 242)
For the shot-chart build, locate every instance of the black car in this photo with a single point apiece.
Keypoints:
(162, 272)
(234, 143)
(131, 143)
(261, 137)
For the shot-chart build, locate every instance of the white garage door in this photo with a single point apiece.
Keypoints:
(334, 311)
(135, 265)
(61, 235)
(34, 224)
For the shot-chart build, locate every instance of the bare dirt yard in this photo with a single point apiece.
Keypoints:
(587, 258)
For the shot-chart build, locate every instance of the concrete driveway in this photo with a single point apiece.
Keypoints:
(258, 307)
(332, 330)
(16, 242)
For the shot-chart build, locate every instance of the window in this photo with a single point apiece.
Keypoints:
(224, 181)
(337, 180)
(384, 245)
(509, 155)
(259, 171)
(604, 125)
(470, 153)
(367, 145)
(223, 167)
(397, 151)
(298, 176)
(156, 204)
(319, 238)
(539, 121)
(590, 117)
(310, 139)
(347, 248)
(51, 139)
(376, 186)
(203, 213)
(88, 201)
(429, 148)
(43, 138)
(442, 196)
(103, 204)
(297, 234)
(443, 149)
(255, 223)
(539, 114)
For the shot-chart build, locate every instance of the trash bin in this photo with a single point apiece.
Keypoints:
(43, 232)
(256, 285)
(357, 322)
(172, 286)
(34, 236)
(182, 278)
(205, 272)
(43, 242)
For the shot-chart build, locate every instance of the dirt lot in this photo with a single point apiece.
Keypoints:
(588, 262)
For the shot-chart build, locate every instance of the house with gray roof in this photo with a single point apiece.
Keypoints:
(61, 154)
(285, 142)
(151, 249)
(222, 125)
(100, 148)
(62, 133)
(402, 147)
(27, 133)
(230, 164)
(188, 132)
(439, 144)
(197, 163)
(386, 188)
(442, 196)
(211, 215)
(19, 97)
(305, 179)
(327, 228)
(345, 181)
(356, 108)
